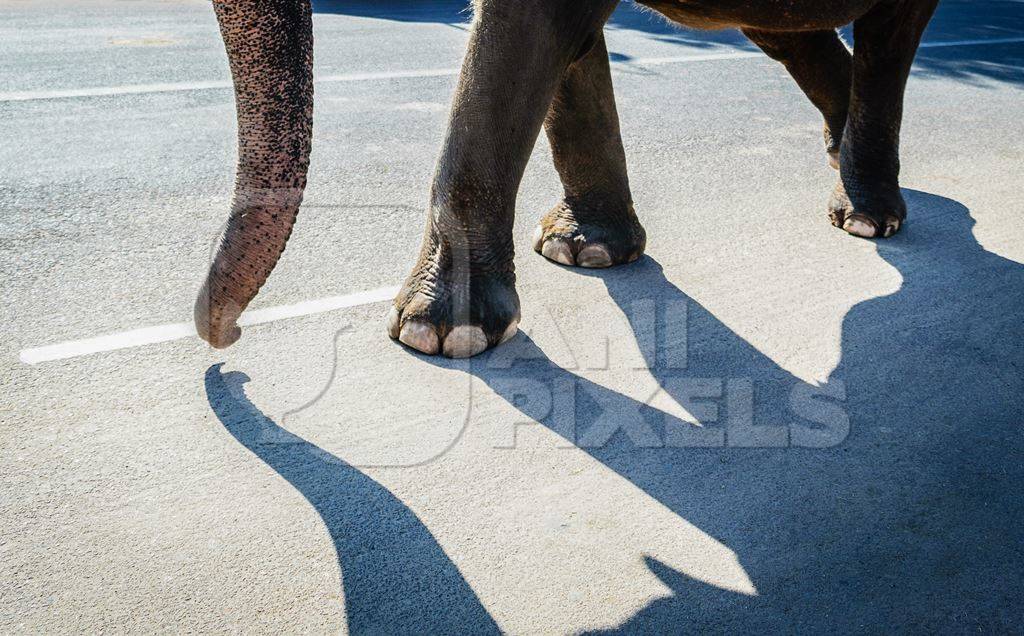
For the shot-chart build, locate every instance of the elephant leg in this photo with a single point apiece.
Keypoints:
(460, 297)
(594, 225)
(867, 201)
(823, 68)
(270, 49)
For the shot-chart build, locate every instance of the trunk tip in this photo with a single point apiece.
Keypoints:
(214, 327)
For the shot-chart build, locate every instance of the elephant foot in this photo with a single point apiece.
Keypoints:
(455, 310)
(882, 217)
(575, 234)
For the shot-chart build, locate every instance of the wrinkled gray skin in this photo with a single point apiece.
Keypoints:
(534, 63)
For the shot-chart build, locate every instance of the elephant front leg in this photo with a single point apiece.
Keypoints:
(460, 298)
(595, 224)
(867, 201)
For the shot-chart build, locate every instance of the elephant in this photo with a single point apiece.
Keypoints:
(533, 64)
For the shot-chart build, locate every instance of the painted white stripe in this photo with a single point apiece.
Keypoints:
(107, 91)
(178, 331)
(111, 342)
(743, 55)
(323, 305)
(700, 57)
(941, 45)
(388, 75)
(140, 89)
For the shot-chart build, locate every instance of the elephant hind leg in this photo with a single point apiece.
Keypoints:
(594, 225)
(823, 68)
(867, 201)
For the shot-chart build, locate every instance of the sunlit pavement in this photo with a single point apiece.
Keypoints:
(763, 425)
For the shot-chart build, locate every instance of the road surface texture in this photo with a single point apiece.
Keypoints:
(764, 425)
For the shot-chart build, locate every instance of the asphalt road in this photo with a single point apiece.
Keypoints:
(765, 424)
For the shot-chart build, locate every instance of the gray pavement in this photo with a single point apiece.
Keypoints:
(763, 425)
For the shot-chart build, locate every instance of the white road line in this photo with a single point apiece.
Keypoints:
(108, 91)
(942, 45)
(388, 75)
(178, 331)
(142, 89)
(684, 59)
(743, 55)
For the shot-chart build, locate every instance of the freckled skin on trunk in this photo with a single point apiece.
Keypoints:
(532, 63)
(270, 50)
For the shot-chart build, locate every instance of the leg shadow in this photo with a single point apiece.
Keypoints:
(910, 520)
(396, 577)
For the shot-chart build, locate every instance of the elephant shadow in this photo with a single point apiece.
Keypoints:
(395, 576)
(903, 512)
(884, 497)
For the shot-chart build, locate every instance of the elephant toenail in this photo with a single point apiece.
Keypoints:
(861, 226)
(394, 326)
(558, 250)
(465, 341)
(419, 336)
(594, 256)
(538, 239)
(510, 333)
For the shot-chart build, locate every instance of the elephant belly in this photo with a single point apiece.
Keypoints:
(771, 15)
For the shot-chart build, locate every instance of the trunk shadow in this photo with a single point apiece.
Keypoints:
(396, 578)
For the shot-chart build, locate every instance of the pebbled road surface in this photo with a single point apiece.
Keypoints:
(763, 425)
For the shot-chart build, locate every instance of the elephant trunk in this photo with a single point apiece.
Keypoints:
(270, 50)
